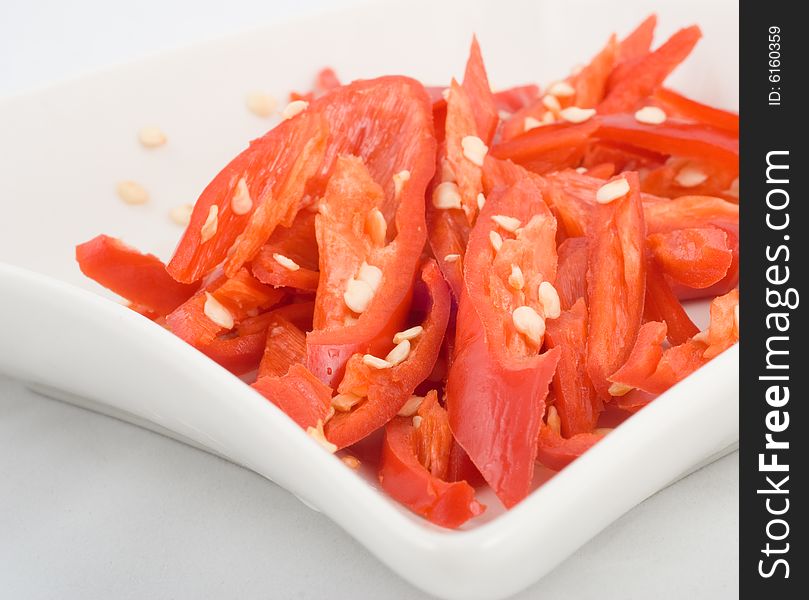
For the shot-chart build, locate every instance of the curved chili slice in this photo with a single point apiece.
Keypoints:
(301, 395)
(643, 359)
(497, 382)
(140, 278)
(664, 180)
(677, 105)
(576, 402)
(381, 392)
(676, 363)
(476, 84)
(413, 468)
(662, 305)
(638, 43)
(571, 276)
(616, 282)
(724, 328)
(649, 72)
(693, 257)
(397, 137)
(677, 138)
(591, 82)
(515, 98)
(557, 452)
(548, 148)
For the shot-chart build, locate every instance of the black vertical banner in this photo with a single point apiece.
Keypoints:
(774, 265)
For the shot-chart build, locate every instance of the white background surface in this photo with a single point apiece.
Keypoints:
(94, 508)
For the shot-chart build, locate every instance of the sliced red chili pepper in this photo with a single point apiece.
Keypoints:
(515, 98)
(476, 85)
(296, 243)
(699, 211)
(678, 138)
(398, 138)
(676, 364)
(274, 170)
(693, 257)
(724, 329)
(385, 391)
(664, 180)
(575, 398)
(616, 282)
(497, 376)
(285, 346)
(557, 452)
(301, 395)
(591, 82)
(413, 468)
(140, 278)
(662, 305)
(649, 72)
(448, 235)
(461, 123)
(623, 156)
(461, 467)
(602, 170)
(679, 106)
(241, 296)
(571, 276)
(644, 358)
(548, 148)
(639, 42)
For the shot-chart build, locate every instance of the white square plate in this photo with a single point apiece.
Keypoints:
(65, 148)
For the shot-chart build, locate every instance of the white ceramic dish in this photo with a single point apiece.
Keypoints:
(64, 148)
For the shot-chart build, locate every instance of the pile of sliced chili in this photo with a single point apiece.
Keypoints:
(483, 277)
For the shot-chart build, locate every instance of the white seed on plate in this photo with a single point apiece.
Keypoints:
(317, 434)
(417, 421)
(562, 89)
(408, 334)
(474, 149)
(553, 420)
(574, 114)
(495, 240)
(411, 406)
(376, 226)
(581, 170)
(447, 195)
(132, 192)
(481, 201)
(352, 462)
(510, 224)
(358, 295)
(531, 123)
(371, 275)
(529, 323)
(375, 362)
(260, 104)
(617, 188)
(286, 262)
(650, 115)
(551, 103)
(690, 176)
(399, 180)
(516, 279)
(151, 137)
(549, 298)
(181, 214)
(208, 229)
(241, 203)
(294, 108)
(345, 402)
(217, 313)
(619, 389)
(399, 353)
(451, 258)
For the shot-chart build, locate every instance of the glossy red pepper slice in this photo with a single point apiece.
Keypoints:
(548, 148)
(385, 391)
(414, 466)
(664, 180)
(591, 82)
(576, 402)
(663, 305)
(140, 278)
(693, 257)
(515, 98)
(676, 364)
(557, 452)
(639, 42)
(285, 346)
(679, 106)
(571, 276)
(724, 328)
(643, 360)
(497, 375)
(649, 72)
(481, 99)
(301, 395)
(616, 282)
